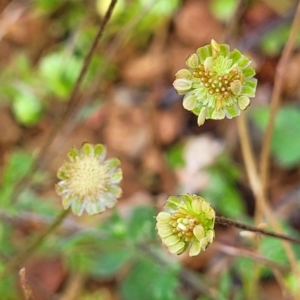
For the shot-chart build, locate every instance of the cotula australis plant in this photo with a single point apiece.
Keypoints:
(217, 84)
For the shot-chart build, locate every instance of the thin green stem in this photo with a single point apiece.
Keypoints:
(72, 103)
(30, 249)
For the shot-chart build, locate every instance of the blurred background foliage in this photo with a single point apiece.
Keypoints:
(118, 255)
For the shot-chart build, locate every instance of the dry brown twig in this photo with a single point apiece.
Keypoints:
(258, 183)
(276, 98)
(28, 294)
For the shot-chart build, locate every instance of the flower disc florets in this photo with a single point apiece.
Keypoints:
(88, 182)
(188, 222)
(217, 84)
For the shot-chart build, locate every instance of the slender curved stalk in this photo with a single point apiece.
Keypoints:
(231, 223)
(256, 186)
(29, 250)
(72, 103)
(275, 100)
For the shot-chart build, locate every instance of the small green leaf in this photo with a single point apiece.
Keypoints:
(223, 9)
(151, 281)
(142, 224)
(27, 108)
(109, 263)
(175, 156)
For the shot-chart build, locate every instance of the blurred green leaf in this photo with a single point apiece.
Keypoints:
(160, 7)
(15, 168)
(108, 264)
(17, 165)
(8, 289)
(94, 261)
(221, 191)
(274, 42)
(273, 249)
(285, 144)
(228, 289)
(59, 73)
(242, 265)
(115, 226)
(141, 226)
(29, 201)
(47, 5)
(104, 251)
(27, 108)
(175, 156)
(148, 280)
(292, 282)
(7, 248)
(223, 9)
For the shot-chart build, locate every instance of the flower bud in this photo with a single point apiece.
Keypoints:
(187, 223)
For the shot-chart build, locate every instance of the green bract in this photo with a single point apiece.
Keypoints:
(217, 84)
(88, 181)
(188, 222)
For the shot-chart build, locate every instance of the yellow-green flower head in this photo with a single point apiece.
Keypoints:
(88, 181)
(217, 84)
(187, 223)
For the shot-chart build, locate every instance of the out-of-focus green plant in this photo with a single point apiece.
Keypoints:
(241, 266)
(286, 137)
(175, 155)
(7, 287)
(271, 249)
(71, 13)
(273, 43)
(47, 5)
(155, 13)
(223, 9)
(35, 87)
(103, 251)
(59, 73)
(292, 281)
(27, 107)
(151, 281)
(22, 92)
(274, 250)
(17, 165)
(227, 288)
(222, 191)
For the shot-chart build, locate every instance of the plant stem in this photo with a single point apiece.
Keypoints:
(21, 257)
(28, 294)
(232, 223)
(72, 103)
(260, 199)
(275, 100)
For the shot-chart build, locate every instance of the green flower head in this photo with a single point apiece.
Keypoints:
(88, 181)
(217, 84)
(188, 222)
